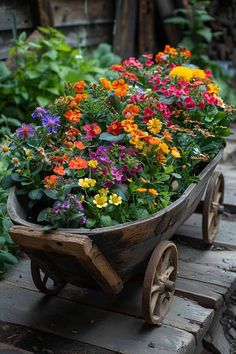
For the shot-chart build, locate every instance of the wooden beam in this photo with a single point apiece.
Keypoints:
(79, 246)
(41, 13)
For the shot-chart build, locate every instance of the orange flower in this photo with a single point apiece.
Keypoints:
(79, 86)
(72, 133)
(73, 104)
(129, 126)
(132, 111)
(80, 145)
(59, 170)
(141, 190)
(175, 152)
(130, 76)
(152, 140)
(159, 57)
(78, 163)
(69, 144)
(187, 53)
(152, 191)
(73, 116)
(164, 147)
(160, 157)
(120, 87)
(167, 136)
(80, 97)
(50, 182)
(106, 83)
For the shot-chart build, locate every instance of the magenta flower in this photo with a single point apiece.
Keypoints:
(92, 130)
(25, 131)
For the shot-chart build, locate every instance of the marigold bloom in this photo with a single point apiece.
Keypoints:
(73, 116)
(199, 73)
(160, 157)
(118, 68)
(164, 147)
(87, 182)
(100, 201)
(120, 87)
(115, 199)
(79, 86)
(78, 163)
(59, 170)
(115, 128)
(132, 109)
(213, 89)
(154, 125)
(50, 181)
(182, 72)
(152, 140)
(141, 190)
(79, 145)
(167, 136)
(129, 126)
(80, 97)
(93, 163)
(106, 83)
(137, 143)
(175, 152)
(153, 191)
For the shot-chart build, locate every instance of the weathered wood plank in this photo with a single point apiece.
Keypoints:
(184, 314)
(105, 329)
(70, 12)
(192, 229)
(10, 349)
(207, 295)
(15, 11)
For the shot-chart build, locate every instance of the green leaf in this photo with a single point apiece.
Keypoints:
(36, 194)
(51, 54)
(2, 240)
(3, 268)
(206, 34)
(177, 20)
(176, 175)
(106, 220)
(90, 223)
(51, 193)
(4, 71)
(122, 190)
(110, 137)
(42, 101)
(169, 169)
(167, 100)
(7, 257)
(140, 213)
(7, 182)
(42, 216)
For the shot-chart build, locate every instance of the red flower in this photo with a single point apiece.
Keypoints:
(115, 128)
(92, 130)
(77, 163)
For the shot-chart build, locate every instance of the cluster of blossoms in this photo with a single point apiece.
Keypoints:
(119, 149)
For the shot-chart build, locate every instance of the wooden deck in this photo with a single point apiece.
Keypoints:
(82, 321)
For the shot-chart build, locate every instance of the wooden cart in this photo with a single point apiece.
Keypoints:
(106, 258)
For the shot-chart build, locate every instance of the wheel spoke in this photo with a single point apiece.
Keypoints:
(154, 300)
(45, 279)
(166, 260)
(156, 288)
(168, 272)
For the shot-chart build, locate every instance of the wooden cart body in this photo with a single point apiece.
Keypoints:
(104, 258)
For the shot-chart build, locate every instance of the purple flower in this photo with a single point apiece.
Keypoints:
(51, 123)
(39, 112)
(25, 131)
(116, 173)
(65, 205)
(83, 219)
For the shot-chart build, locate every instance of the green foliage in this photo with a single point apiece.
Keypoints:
(39, 70)
(194, 21)
(7, 247)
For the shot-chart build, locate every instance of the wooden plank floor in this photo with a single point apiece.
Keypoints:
(91, 322)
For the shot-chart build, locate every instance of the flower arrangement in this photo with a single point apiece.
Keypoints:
(115, 151)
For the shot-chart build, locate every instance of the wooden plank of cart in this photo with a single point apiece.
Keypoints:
(105, 258)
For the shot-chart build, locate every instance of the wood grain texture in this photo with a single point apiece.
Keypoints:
(79, 246)
(108, 330)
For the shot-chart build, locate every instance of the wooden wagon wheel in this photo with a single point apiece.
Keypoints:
(159, 282)
(47, 283)
(212, 207)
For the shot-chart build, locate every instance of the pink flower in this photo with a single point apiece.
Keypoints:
(92, 130)
(189, 103)
(132, 62)
(164, 110)
(148, 56)
(149, 62)
(148, 114)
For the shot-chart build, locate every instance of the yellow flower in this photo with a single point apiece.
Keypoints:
(213, 89)
(87, 182)
(115, 199)
(182, 73)
(199, 73)
(141, 190)
(154, 126)
(100, 201)
(152, 191)
(5, 148)
(28, 153)
(175, 152)
(93, 163)
(103, 191)
(137, 143)
(164, 148)
(144, 180)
